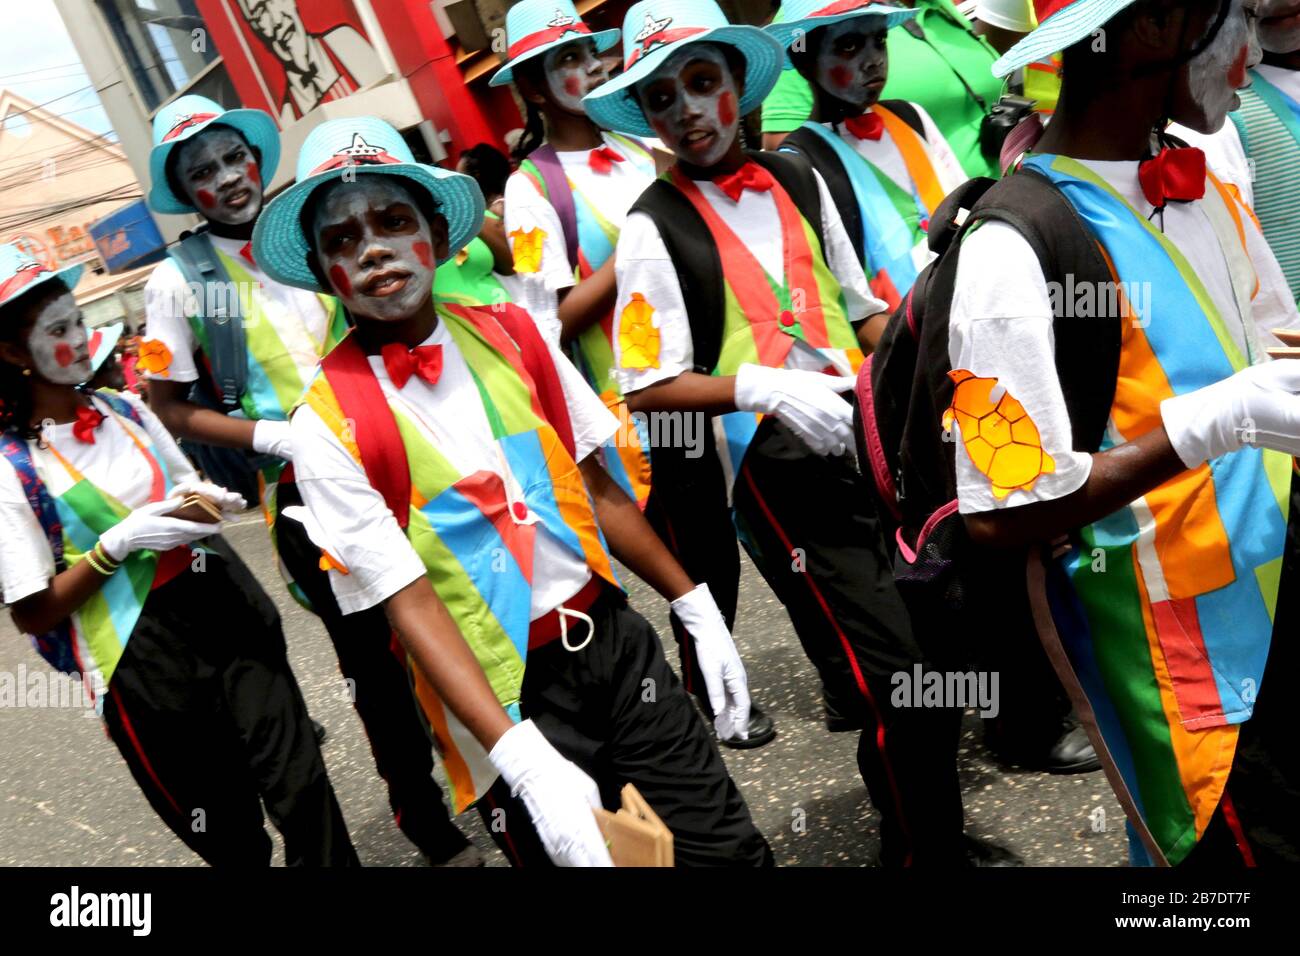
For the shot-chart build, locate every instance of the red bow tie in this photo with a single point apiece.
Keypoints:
(1173, 175)
(88, 419)
(247, 252)
(866, 126)
(750, 176)
(602, 160)
(401, 363)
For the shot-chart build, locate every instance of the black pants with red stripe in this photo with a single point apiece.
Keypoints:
(810, 526)
(205, 709)
(381, 692)
(617, 710)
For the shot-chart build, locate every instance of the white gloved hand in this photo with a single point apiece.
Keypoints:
(724, 674)
(809, 402)
(558, 795)
(228, 501)
(1259, 405)
(273, 438)
(147, 528)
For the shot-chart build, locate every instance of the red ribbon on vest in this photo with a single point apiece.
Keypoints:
(602, 160)
(88, 419)
(401, 363)
(750, 176)
(1173, 175)
(866, 126)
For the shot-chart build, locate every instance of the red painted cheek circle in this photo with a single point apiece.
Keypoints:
(206, 199)
(64, 355)
(842, 76)
(254, 174)
(424, 252)
(572, 85)
(1237, 76)
(727, 108)
(340, 280)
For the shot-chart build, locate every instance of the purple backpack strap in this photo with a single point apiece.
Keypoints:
(560, 195)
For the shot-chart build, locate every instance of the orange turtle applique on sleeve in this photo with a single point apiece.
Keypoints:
(638, 339)
(1000, 437)
(527, 249)
(154, 358)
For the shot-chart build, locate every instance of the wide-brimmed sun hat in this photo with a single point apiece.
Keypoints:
(19, 273)
(535, 26)
(802, 17)
(1061, 24)
(103, 341)
(190, 115)
(363, 145)
(654, 30)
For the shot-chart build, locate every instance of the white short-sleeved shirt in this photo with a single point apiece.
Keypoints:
(1225, 156)
(358, 527)
(113, 464)
(1000, 325)
(644, 266)
(611, 193)
(884, 154)
(299, 318)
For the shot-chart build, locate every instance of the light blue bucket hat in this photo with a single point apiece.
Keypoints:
(1061, 24)
(802, 17)
(363, 144)
(19, 273)
(535, 26)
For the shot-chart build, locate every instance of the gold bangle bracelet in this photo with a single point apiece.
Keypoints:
(90, 556)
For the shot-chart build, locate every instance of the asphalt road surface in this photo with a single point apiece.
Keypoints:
(67, 799)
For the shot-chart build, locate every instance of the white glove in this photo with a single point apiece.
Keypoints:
(146, 528)
(273, 438)
(228, 501)
(724, 674)
(558, 795)
(1259, 405)
(809, 402)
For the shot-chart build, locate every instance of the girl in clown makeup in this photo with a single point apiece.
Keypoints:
(165, 626)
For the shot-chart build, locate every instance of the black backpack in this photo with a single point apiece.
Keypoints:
(904, 389)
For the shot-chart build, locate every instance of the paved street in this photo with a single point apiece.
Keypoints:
(66, 797)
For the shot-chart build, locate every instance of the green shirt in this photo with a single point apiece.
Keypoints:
(918, 74)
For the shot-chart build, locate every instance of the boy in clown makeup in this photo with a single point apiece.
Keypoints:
(1161, 431)
(215, 162)
(887, 165)
(446, 457)
(740, 296)
(564, 209)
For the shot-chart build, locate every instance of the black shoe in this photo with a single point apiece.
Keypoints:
(319, 729)
(761, 731)
(836, 722)
(1072, 753)
(982, 853)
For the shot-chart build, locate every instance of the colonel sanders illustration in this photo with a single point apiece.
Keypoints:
(324, 57)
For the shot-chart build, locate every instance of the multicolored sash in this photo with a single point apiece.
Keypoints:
(894, 220)
(766, 318)
(478, 556)
(1165, 608)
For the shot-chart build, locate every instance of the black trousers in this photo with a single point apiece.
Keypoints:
(399, 740)
(205, 709)
(618, 711)
(810, 526)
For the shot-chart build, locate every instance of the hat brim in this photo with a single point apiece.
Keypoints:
(258, 130)
(1061, 30)
(281, 249)
(615, 107)
(787, 33)
(70, 275)
(604, 40)
(110, 336)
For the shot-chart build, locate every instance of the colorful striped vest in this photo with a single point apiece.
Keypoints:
(1165, 608)
(479, 559)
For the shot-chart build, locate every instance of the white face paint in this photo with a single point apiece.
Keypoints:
(572, 71)
(1219, 71)
(58, 342)
(220, 176)
(853, 61)
(1279, 25)
(376, 247)
(691, 101)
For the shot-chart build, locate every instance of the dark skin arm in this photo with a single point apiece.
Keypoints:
(46, 610)
(688, 392)
(430, 635)
(583, 305)
(630, 537)
(1119, 477)
(184, 419)
(870, 331)
(494, 234)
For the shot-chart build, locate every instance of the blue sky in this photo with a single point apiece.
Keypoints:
(38, 61)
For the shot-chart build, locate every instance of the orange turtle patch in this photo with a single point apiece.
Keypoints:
(155, 358)
(527, 249)
(638, 339)
(1001, 439)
